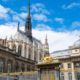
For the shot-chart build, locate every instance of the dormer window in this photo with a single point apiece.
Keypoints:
(19, 50)
(14, 47)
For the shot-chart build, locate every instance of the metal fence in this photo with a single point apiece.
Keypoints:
(27, 76)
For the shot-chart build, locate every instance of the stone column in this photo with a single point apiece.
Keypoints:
(73, 72)
(65, 73)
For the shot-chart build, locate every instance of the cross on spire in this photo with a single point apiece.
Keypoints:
(46, 40)
(28, 9)
(46, 46)
(28, 27)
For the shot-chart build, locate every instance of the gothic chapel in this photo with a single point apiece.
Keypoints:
(22, 51)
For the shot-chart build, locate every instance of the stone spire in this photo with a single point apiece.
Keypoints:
(46, 46)
(28, 27)
(18, 26)
(46, 40)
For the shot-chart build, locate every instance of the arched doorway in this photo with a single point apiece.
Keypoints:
(22, 67)
(17, 67)
(9, 66)
(28, 67)
(14, 47)
(1, 65)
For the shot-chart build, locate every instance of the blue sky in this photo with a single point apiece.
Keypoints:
(60, 19)
(58, 15)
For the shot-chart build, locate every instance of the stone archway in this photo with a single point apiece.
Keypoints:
(22, 67)
(1, 65)
(17, 67)
(19, 50)
(14, 47)
(9, 66)
(28, 67)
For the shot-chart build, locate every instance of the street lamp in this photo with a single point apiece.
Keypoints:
(59, 71)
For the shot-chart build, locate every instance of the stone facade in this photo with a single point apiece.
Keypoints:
(70, 62)
(22, 51)
(11, 62)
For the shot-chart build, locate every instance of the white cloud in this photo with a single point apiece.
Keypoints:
(42, 27)
(39, 8)
(57, 40)
(23, 8)
(40, 17)
(41, 13)
(15, 24)
(60, 20)
(4, 12)
(23, 15)
(75, 24)
(72, 5)
(6, 31)
(4, 0)
(19, 17)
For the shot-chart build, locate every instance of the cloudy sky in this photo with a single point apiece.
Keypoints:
(59, 19)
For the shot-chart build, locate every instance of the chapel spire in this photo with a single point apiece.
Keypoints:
(29, 10)
(46, 46)
(28, 27)
(46, 40)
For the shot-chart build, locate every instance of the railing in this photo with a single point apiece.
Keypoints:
(19, 76)
(33, 75)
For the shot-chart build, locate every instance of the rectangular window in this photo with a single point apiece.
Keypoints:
(69, 65)
(61, 66)
(61, 76)
(77, 65)
(77, 75)
(70, 75)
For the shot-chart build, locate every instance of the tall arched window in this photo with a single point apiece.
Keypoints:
(40, 56)
(35, 55)
(8, 45)
(14, 47)
(19, 50)
(25, 51)
(29, 55)
(9, 66)
(1, 65)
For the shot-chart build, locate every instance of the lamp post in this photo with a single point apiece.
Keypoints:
(59, 71)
